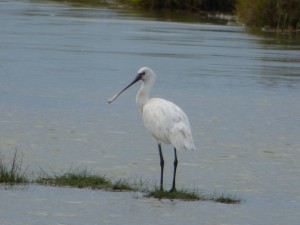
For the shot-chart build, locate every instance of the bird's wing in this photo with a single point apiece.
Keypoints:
(168, 123)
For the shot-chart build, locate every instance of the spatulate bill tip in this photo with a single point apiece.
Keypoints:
(110, 100)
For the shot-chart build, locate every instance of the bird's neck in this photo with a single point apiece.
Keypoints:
(142, 96)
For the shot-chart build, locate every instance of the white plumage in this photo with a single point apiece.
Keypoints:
(163, 119)
(167, 123)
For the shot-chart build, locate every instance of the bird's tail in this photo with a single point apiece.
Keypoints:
(183, 140)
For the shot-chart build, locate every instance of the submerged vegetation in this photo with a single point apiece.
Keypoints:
(12, 173)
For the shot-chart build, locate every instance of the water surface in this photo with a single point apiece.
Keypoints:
(241, 91)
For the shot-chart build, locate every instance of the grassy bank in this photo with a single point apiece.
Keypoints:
(276, 15)
(186, 5)
(13, 173)
(279, 15)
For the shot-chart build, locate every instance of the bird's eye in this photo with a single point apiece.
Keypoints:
(142, 73)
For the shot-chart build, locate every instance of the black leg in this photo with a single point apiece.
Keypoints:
(174, 174)
(162, 163)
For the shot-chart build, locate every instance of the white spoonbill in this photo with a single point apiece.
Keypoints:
(163, 119)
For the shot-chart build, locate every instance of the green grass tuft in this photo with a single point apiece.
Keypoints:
(122, 185)
(84, 179)
(193, 195)
(80, 179)
(12, 172)
(75, 178)
(226, 198)
(181, 194)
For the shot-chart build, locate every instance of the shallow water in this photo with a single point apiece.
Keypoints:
(241, 91)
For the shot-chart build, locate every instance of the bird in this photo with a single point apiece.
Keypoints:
(165, 121)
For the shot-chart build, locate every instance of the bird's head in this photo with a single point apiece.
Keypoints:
(145, 74)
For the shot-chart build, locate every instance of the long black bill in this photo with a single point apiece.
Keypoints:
(138, 77)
